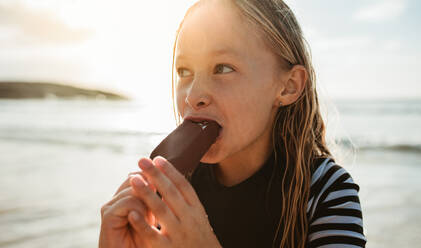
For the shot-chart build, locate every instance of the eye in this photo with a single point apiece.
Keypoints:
(221, 68)
(183, 72)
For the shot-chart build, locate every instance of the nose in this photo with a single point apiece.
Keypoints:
(197, 96)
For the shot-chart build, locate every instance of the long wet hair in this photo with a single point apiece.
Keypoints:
(298, 130)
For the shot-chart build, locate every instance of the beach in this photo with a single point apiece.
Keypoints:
(61, 160)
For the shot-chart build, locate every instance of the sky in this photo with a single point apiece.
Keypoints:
(360, 48)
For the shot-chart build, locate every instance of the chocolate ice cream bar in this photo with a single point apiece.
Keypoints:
(186, 145)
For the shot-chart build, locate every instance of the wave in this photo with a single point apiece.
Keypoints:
(52, 141)
(118, 141)
(403, 107)
(381, 146)
(74, 131)
(397, 148)
(121, 141)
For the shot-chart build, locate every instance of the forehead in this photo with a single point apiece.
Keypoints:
(216, 27)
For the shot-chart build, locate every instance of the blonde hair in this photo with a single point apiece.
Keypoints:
(298, 129)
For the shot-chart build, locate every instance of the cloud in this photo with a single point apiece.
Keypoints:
(381, 10)
(341, 43)
(34, 26)
(392, 45)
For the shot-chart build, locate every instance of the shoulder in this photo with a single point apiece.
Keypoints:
(330, 181)
(333, 209)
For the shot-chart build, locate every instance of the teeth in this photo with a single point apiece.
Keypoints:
(201, 122)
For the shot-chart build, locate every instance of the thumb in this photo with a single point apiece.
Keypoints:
(141, 226)
(139, 240)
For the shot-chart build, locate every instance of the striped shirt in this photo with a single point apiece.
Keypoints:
(244, 215)
(335, 217)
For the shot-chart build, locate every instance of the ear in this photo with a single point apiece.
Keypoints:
(292, 85)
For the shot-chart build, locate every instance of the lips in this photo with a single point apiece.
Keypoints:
(201, 120)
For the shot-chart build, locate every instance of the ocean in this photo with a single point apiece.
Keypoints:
(61, 160)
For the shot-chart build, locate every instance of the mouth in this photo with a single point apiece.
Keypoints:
(203, 122)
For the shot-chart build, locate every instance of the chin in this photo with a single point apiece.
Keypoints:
(212, 156)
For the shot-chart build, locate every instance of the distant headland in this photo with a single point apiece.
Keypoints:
(26, 90)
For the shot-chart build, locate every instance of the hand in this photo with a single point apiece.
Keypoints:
(183, 219)
(115, 228)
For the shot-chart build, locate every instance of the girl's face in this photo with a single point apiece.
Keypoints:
(226, 73)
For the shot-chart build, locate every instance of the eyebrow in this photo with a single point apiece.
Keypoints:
(218, 52)
(224, 51)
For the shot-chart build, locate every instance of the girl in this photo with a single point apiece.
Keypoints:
(269, 180)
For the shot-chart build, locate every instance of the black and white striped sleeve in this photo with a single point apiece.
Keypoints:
(334, 211)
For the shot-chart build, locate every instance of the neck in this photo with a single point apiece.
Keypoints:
(243, 164)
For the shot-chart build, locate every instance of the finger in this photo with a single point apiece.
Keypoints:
(129, 191)
(165, 187)
(120, 211)
(151, 186)
(178, 180)
(160, 210)
(149, 233)
(126, 183)
(123, 193)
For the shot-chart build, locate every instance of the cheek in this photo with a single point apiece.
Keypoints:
(251, 113)
(252, 116)
(180, 101)
(249, 118)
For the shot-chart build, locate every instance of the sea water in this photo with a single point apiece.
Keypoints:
(61, 160)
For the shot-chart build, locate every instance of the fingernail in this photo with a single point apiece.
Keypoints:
(145, 163)
(134, 215)
(138, 182)
(132, 174)
(161, 161)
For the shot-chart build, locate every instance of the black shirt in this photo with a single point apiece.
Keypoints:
(240, 215)
(247, 214)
